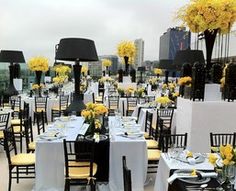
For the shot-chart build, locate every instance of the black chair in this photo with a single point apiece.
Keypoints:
(218, 139)
(131, 104)
(126, 176)
(40, 122)
(113, 104)
(79, 166)
(173, 141)
(21, 165)
(29, 138)
(4, 118)
(63, 104)
(15, 102)
(41, 106)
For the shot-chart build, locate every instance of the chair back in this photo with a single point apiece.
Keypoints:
(63, 102)
(126, 176)
(26, 110)
(9, 144)
(173, 141)
(28, 132)
(15, 102)
(148, 123)
(40, 122)
(166, 115)
(4, 118)
(113, 104)
(80, 150)
(40, 104)
(218, 139)
(131, 104)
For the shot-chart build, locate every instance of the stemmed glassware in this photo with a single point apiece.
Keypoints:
(221, 178)
(231, 175)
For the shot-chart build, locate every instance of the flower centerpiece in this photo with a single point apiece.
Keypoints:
(38, 65)
(121, 92)
(129, 91)
(140, 92)
(185, 86)
(157, 71)
(84, 70)
(126, 51)
(93, 115)
(224, 161)
(154, 82)
(164, 101)
(62, 72)
(106, 63)
(209, 17)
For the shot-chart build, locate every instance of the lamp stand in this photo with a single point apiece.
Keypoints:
(77, 104)
(11, 90)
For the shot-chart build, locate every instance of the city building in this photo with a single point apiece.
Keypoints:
(173, 40)
(138, 60)
(95, 69)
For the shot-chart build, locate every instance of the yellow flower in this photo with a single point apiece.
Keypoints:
(175, 94)
(100, 109)
(189, 154)
(106, 63)
(157, 71)
(127, 49)
(163, 100)
(164, 86)
(38, 64)
(185, 81)
(62, 70)
(202, 15)
(212, 158)
(36, 86)
(84, 69)
(59, 79)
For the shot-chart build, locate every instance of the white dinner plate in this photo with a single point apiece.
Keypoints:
(195, 180)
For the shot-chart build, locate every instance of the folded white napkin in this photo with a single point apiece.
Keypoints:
(174, 176)
(191, 160)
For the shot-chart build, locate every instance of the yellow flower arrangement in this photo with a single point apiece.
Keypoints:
(129, 90)
(175, 94)
(157, 71)
(38, 64)
(106, 79)
(62, 70)
(163, 100)
(84, 69)
(126, 49)
(120, 91)
(98, 124)
(164, 86)
(172, 86)
(228, 154)
(140, 92)
(36, 86)
(153, 81)
(59, 79)
(93, 110)
(202, 15)
(106, 63)
(185, 81)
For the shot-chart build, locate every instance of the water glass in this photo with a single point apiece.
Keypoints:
(231, 174)
(221, 178)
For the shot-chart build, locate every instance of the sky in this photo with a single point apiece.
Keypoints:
(35, 27)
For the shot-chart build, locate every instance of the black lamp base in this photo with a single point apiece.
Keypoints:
(76, 106)
(10, 91)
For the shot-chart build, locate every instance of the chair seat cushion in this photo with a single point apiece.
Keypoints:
(31, 145)
(152, 144)
(146, 135)
(17, 129)
(1, 134)
(154, 154)
(15, 122)
(82, 171)
(40, 110)
(57, 108)
(23, 159)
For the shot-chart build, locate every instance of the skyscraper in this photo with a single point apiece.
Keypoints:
(138, 60)
(173, 40)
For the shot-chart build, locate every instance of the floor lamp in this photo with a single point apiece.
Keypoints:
(13, 57)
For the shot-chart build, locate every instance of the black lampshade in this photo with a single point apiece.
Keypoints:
(189, 56)
(71, 49)
(12, 56)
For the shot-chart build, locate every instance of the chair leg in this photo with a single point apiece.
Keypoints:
(67, 185)
(93, 186)
(9, 183)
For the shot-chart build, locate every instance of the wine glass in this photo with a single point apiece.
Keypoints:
(231, 175)
(221, 178)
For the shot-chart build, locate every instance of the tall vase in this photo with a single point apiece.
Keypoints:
(126, 58)
(210, 37)
(38, 75)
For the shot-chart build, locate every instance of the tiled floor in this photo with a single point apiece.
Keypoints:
(28, 184)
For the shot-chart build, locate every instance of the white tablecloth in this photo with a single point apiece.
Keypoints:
(50, 160)
(135, 151)
(166, 164)
(198, 119)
